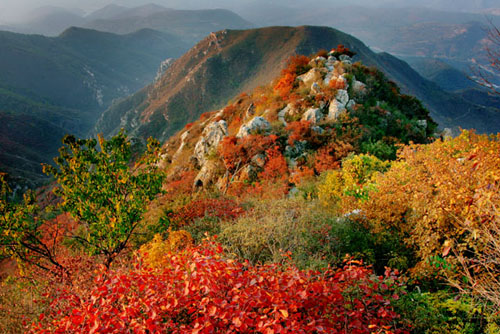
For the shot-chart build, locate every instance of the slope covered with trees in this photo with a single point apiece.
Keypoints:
(321, 202)
(50, 87)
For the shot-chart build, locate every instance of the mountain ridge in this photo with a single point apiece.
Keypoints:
(163, 108)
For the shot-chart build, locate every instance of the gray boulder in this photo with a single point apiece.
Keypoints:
(342, 97)
(313, 115)
(314, 75)
(210, 139)
(257, 124)
(335, 110)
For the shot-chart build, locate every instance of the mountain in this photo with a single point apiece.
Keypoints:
(446, 76)
(50, 86)
(190, 25)
(230, 62)
(455, 37)
(453, 80)
(106, 12)
(47, 20)
(320, 108)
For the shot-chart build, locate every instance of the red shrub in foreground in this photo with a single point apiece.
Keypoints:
(198, 291)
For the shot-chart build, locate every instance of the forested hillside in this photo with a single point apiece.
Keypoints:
(321, 202)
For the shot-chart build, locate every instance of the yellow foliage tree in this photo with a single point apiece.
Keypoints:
(345, 187)
(153, 253)
(439, 197)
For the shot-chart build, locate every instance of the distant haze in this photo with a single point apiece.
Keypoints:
(18, 10)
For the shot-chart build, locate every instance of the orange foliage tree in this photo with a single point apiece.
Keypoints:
(296, 66)
(440, 197)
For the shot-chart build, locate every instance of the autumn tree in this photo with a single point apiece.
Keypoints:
(100, 189)
(441, 199)
(20, 231)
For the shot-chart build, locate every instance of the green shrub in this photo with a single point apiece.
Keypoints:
(444, 313)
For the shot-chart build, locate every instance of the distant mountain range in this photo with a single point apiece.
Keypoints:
(230, 62)
(455, 37)
(53, 86)
(189, 25)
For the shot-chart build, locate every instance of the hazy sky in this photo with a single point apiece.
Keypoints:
(10, 10)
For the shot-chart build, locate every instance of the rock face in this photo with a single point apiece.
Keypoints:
(164, 66)
(335, 110)
(314, 75)
(183, 143)
(313, 115)
(339, 105)
(211, 137)
(257, 124)
(250, 111)
(342, 97)
(358, 87)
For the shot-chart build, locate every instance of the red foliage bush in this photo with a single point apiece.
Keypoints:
(222, 208)
(285, 85)
(299, 130)
(301, 174)
(276, 166)
(180, 185)
(296, 65)
(329, 156)
(237, 152)
(198, 291)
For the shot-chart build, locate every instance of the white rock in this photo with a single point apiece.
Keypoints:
(313, 115)
(358, 87)
(342, 97)
(282, 114)
(335, 110)
(256, 124)
(422, 123)
(314, 75)
(181, 146)
(250, 111)
(259, 160)
(345, 58)
(210, 139)
(329, 77)
(318, 61)
(206, 174)
(317, 129)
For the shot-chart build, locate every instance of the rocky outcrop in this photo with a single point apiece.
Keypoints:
(250, 111)
(335, 110)
(206, 175)
(181, 146)
(314, 75)
(257, 124)
(313, 115)
(164, 66)
(358, 87)
(210, 139)
(342, 97)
